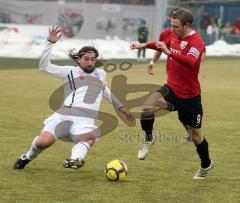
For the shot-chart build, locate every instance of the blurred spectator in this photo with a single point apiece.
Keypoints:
(219, 23)
(227, 29)
(167, 23)
(236, 29)
(229, 34)
(204, 22)
(142, 38)
(212, 32)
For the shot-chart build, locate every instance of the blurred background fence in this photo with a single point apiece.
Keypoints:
(88, 19)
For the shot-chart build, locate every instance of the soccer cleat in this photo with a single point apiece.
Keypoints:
(144, 150)
(202, 173)
(73, 163)
(21, 162)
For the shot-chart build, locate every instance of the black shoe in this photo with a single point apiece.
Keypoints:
(73, 163)
(21, 162)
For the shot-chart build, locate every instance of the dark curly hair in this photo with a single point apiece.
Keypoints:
(86, 49)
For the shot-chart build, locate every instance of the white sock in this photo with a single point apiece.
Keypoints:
(33, 151)
(80, 150)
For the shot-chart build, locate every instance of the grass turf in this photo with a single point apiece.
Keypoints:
(165, 176)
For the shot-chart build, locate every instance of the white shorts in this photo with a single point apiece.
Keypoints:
(68, 128)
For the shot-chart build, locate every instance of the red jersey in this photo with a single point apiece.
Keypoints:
(165, 35)
(183, 64)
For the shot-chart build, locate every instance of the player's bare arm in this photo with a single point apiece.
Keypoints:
(150, 66)
(130, 117)
(137, 45)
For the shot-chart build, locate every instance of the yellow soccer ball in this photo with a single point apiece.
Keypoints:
(116, 170)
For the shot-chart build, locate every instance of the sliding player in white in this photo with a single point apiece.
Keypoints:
(75, 119)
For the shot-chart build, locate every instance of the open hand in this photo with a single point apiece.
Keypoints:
(127, 114)
(54, 34)
(150, 69)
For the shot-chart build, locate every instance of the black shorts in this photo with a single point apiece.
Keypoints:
(189, 110)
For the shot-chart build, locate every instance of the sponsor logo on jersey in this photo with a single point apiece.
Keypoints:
(97, 76)
(183, 44)
(175, 51)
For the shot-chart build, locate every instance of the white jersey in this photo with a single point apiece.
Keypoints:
(85, 90)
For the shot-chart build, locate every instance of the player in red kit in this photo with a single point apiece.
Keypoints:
(164, 36)
(182, 92)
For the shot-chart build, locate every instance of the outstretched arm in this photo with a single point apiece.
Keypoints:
(130, 117)
(150, 45)
(45, 64)
(138, 45)
(107, 94)
(117, 104)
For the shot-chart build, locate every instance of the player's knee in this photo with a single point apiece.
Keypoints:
(42, 145)
(162, 104)
(147, 110)
(44, 142)
(88, 138)
(91, 141)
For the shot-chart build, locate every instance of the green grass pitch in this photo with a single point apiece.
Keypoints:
(165, 176)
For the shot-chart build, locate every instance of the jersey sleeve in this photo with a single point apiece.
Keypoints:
(46, 66)
(152, 45)
(108, 95)
(196, 48)
(188, 60)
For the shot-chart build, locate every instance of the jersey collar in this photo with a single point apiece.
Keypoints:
(190, 33)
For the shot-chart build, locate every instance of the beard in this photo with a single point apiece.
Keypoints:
(88, 69)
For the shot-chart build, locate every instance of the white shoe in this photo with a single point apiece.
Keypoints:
(202, 173)
(145, 149)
